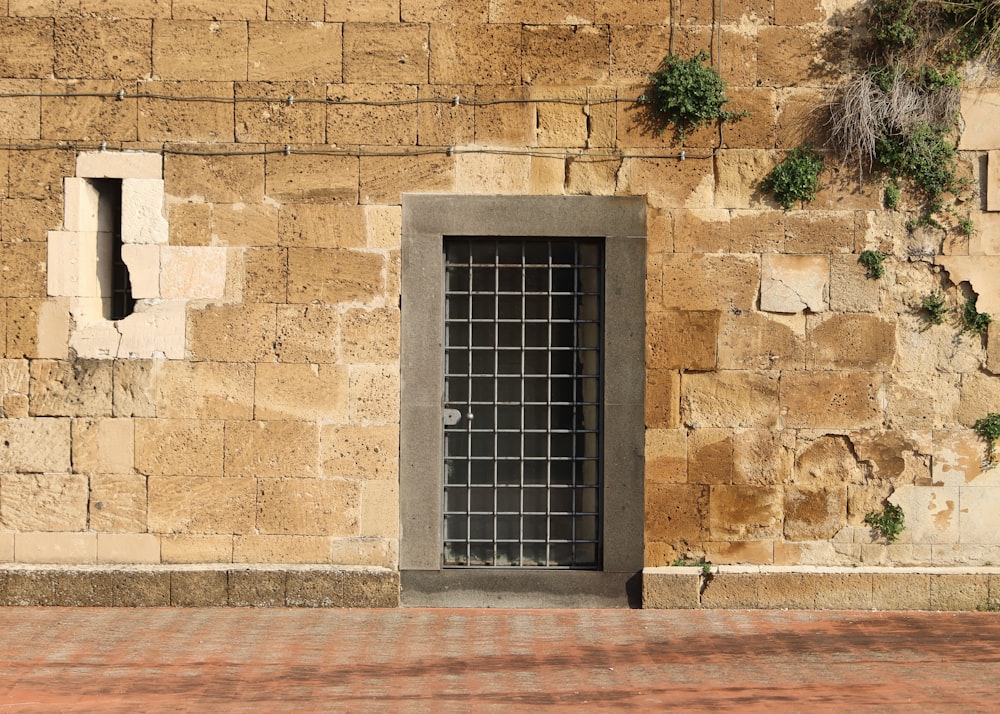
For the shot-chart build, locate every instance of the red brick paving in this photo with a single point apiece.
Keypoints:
(246, 660)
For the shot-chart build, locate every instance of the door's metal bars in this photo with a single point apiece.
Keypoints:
(468, 540)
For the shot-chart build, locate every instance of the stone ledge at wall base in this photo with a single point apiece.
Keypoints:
(733, 587)
(198, 586)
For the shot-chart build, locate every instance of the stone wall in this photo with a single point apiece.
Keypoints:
(787, 395)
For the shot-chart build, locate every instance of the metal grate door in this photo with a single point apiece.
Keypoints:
(523, 408)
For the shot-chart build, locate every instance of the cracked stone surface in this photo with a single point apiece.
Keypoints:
(794, 283)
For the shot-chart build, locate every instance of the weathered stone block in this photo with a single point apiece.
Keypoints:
(197, 390)
(334, 275)
(199, 50)
(901, 591)
(759, 128)
(730, 399)
(312, 178)
(761, 341)
(706, 230)
(196, 548)
(374, 395)
(977, 522)
(634, 54)
(444, 123)
(307, 333)
(505, 116)
(385, 178)
(83, 589)
(215, 179)
(684, 340)
(809, 232)
(265, 275)
(757, 231)
(34, 445)
(838, 400)
(27, 587)
(367, 552)
(306, 506)
(301, 391)
(786, 591)
(710, 282)
(669, 183)
(205, 588)
(379, 509)
(256, 588)
(922, 401)
(103, 446)
(666, 456)
(220, 9)
(740, 552)
(359, 452)
(55, 548)
(745, 512)
(492, 174)
(178, 447)
(843, 591)
(663, 392)
(796, 56)
(281, 121)
(351, 120)
(37, 328)
(231, 333)
(118, 502)
(240, 224)
(43, 502)
(489, 52)
(544, 12)
(385, 53)
(963, 591)
(738, 177)
(22, 267)
(668, 590)
(141, 588)
(137, 548)
(199, 504)
(20, 117)
(434, 11)
(978, 108)
(566, 54)
(763, 457)
(300, 51)
(361, 587)
(322, 226)
(793, 283)
(850, 290)
(814, 513)
(172, 120)
(107, 49)
(710, 456)
(281, 549)
(676, 512)
(271, 449)
(850, 341)
(295, 10)
(731, 591)
(26, 48)
(197, 273)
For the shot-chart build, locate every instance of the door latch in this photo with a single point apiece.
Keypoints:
(452, 417)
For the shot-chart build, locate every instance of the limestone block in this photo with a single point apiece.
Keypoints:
(143, 220)
(963, 591)
(82, 587)
(272, 449)
(301, 51)
(207, 588)
(64, 274)
(196, 549)
(444, 123)
(103, 446)
(6, 547)
(710, 282)
(932, 513)
(758, 231)
(676, 512)
(220, 9)
(22, 269)
(384, 226)
(197, 273)
(39, 174)
(265, 275)
(37, 328)
(763, 457)
(730, 398)
(843, 591)
(704, 230)
(13, 376)
(359, 452)
(380, 508)
(178, 447)
(28, 219)
(731, 590)
(20, 117)
(153, 331)
(280, 121)
(901, 591)
(351, 120)
(739, 173)
(570, 54)
(361, 587)
(793, 283)
(759, 128)
(797, 56)
(814, 513)
(120, 165)
(378, 552)
(203, 390)
(43, 502)
(133, 387)
(786, 591)
(333, 275)
(385, 53)
(200, 50)
(370, 336)
(833, 400)
(736, 552)
(754, 340)
(199, 504)
(710, 456)
(321, 225)
(901, 457)
(920, 400)
(307, 333)
(979, 396)
(592, 176)
(26, 48)
(385, 178)
(684, 340)
(312, 178)
(143, 262)
(632, 12)
(295, 10)
(304, 506)
(118, 503)
(819, 232)
(958, 458)
(15, 406)
(980, 272)
(977, 522)
(374, 394)
(239, 224)
(138, 548)
(301, 391)
(666, 455)
(547, 175)
(544, 12)
(850, 341)
(231, 333)
(78, 388)
(57, 548)
(137, 588)
(505, 117)
(978, 109)
(634, 54)
(477, 172)
(215, 179)
(664, 589)
(281, 549)
(491, 53)
(173, 120)
(745, 512)
(663, 392)
(670, 183)
(850, 290)
(104, 48)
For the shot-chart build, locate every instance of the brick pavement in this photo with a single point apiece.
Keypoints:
(418, 660)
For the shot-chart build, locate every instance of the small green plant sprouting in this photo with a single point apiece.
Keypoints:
(967, 226)
(972, 320)
(933, 304)
(706, 566)
(890, 522)
(990, 605)
(796, 178)
(872, 260)
(989, 428)
(893, 195)
(688, 94)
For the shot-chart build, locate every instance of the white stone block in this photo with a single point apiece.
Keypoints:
(192, 273)
(137, 548)
(142, 216)
(978, 522)
(793, 283)
(67, 548)
(982, 272)
(979, 112)
(6, 547)
(81, 201)
(153, 331)
(122, 165)
(143, 263)
(95, 339)
(993, 181)
(53, 328)
(931, 513)
(985, 239)
(63, 264)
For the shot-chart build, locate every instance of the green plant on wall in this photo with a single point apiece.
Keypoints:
(873, 261)
(932, 304)
(972, 320)
(889, 522)
(796, 178)
(989, 429)
(687, 93)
